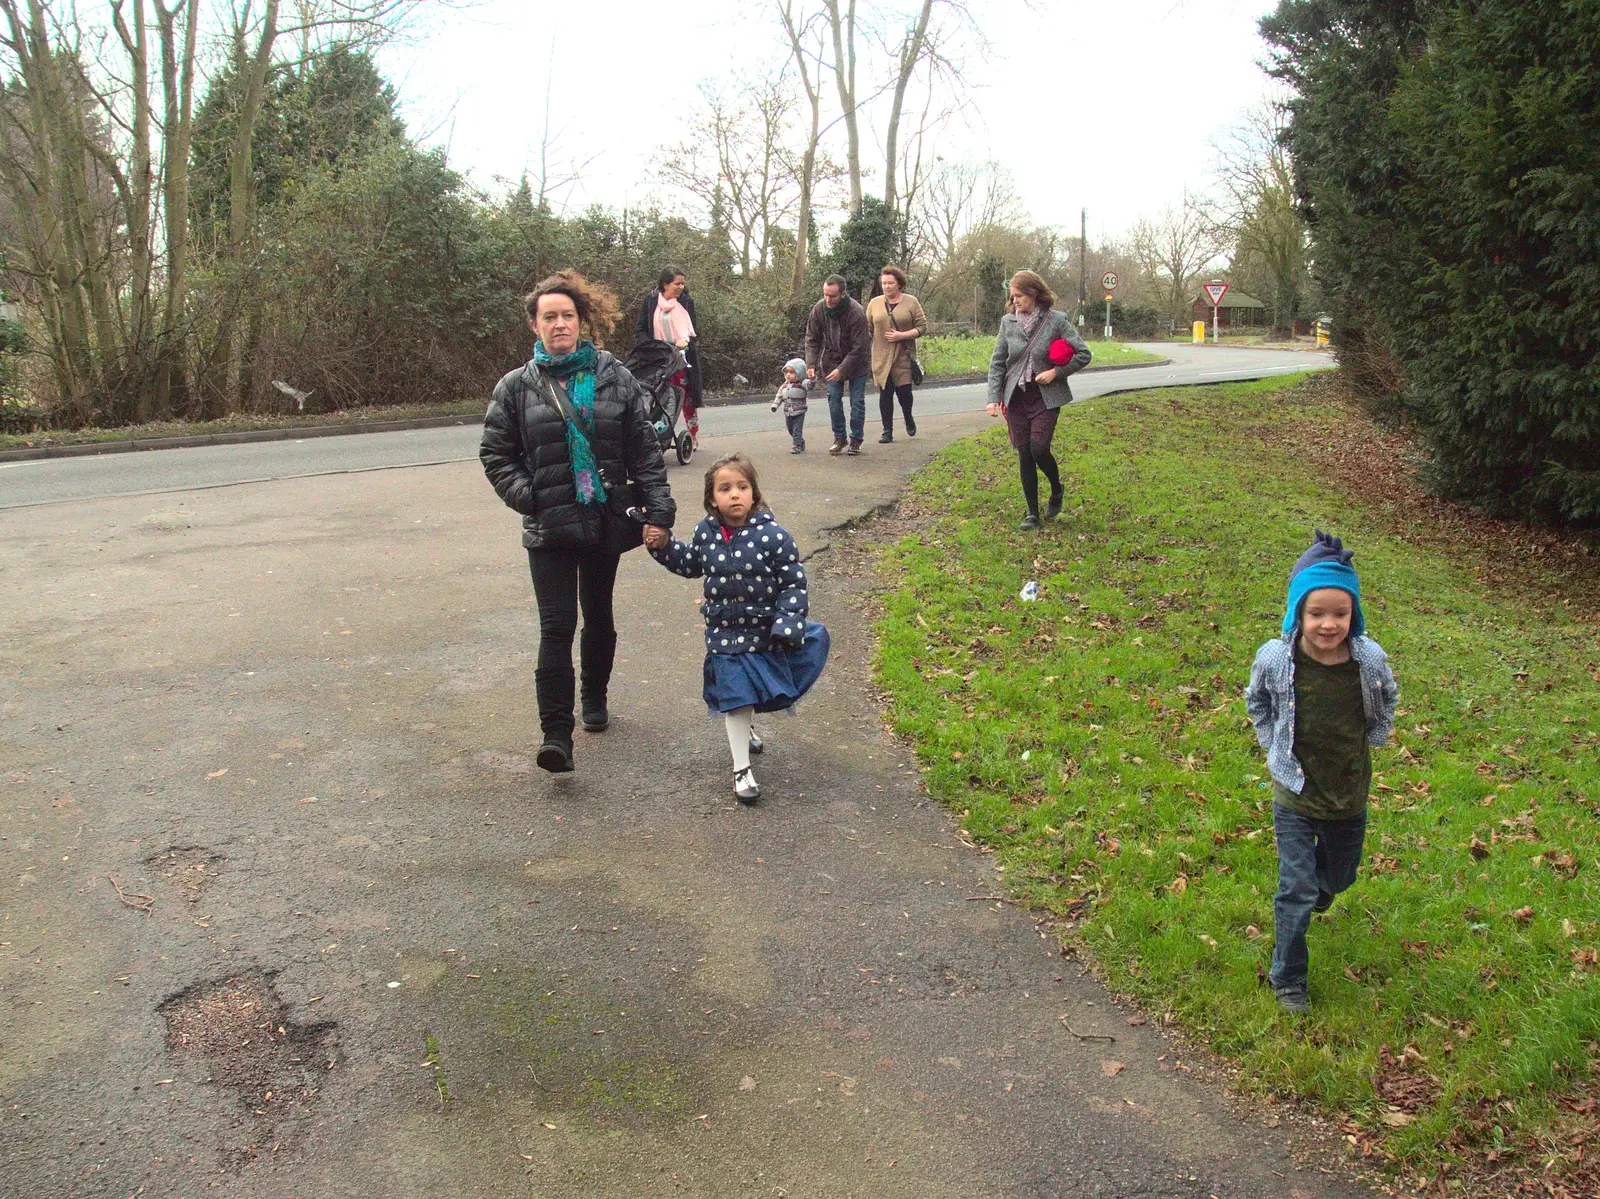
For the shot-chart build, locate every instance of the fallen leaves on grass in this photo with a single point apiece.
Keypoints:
(1403, 1084)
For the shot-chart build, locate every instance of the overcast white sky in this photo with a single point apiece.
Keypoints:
(1108, 104)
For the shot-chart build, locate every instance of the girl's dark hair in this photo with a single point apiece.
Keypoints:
(596, 304)
(1030, 283)
(667, 275)
(746, 468)
(899, 274)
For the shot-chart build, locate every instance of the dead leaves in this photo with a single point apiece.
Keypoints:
(1110, 1068)
(1403, 1085)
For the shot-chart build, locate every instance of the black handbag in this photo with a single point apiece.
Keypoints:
(916, 365)
(625, 500)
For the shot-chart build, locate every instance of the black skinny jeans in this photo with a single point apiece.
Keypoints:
(886, 399)
(565, 581)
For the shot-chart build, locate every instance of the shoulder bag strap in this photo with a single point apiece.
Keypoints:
(559, 400)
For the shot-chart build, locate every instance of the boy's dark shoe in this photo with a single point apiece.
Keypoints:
(838, 446)
(797, 449)
(555, 755)
(1029, 521)
(596, 719)
(1053, 508)
(853, 448)
(1293, 998)
(1324, 900)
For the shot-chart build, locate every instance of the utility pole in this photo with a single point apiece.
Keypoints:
(1083, 263)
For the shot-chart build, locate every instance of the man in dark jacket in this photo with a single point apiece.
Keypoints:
(839, 344)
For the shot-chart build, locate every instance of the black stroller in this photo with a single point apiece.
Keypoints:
(654, 364)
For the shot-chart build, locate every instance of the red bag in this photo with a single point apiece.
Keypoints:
(1061, 351)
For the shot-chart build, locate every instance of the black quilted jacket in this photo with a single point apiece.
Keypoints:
(524, 453)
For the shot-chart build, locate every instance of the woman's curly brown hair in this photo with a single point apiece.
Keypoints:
(597, 305)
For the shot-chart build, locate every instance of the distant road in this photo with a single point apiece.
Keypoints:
(49, 481)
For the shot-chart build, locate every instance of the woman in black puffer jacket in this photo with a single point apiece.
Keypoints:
(566, 443)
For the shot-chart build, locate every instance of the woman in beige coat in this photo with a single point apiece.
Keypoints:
(896, 320)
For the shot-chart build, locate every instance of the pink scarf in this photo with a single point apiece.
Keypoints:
(672, 321)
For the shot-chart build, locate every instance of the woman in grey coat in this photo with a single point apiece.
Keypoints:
(1028, 384)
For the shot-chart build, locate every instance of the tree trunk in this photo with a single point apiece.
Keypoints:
(137, 193)
(808, 164)
(177, 89)
(844, 75)
(240, 190)
(910, 54)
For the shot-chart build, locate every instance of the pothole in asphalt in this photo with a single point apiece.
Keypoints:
(240, 1030)
(188, 869)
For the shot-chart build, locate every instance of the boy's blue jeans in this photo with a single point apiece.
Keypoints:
(858, 408)
(797, 429)
(1313, 855)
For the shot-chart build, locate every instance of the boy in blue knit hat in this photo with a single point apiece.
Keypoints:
(1321, 696)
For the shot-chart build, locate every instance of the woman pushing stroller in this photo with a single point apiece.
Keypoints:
(667, 314)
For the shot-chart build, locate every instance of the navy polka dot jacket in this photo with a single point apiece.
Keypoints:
(755, 585)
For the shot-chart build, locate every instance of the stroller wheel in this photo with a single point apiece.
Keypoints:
(685, 448)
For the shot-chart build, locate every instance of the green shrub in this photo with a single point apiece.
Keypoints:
(1448, 160)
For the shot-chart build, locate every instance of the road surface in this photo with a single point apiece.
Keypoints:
(56, 479)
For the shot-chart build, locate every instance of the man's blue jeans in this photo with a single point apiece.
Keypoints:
(858, 408)
(1313, 855)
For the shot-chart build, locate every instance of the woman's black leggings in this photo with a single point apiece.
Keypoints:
(886, 399)
(563, 582)
(1032, 459)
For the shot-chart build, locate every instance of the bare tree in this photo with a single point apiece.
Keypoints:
(804, 32)
(842, 23)
(737, 157)
(1256, 213)
(1172, 249)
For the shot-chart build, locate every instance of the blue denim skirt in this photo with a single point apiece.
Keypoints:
(769, 681)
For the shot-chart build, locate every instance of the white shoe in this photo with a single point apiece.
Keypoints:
(745, 788)
(756, 743)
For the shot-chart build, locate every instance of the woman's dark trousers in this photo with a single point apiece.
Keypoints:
(1031, 427)
(886, 399)
(565, 581)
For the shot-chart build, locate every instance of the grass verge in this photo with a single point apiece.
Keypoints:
(1096, 740)
(949, 357)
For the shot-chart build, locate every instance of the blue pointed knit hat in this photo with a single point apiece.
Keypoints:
(1325, 564)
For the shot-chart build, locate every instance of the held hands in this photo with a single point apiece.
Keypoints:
(994, 410)
(655, 537)
(1048, 376)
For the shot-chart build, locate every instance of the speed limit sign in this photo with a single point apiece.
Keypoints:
(1109, 280)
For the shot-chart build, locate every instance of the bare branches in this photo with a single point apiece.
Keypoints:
(1172, 249)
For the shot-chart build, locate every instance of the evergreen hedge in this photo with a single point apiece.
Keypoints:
(1447, 157)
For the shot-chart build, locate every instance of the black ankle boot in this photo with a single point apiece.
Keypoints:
(555, 755)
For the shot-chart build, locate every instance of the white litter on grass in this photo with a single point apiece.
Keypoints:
(1026, 754)
(1029, 592)
(393, 985)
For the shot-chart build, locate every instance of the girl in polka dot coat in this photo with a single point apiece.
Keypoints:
(762, 654)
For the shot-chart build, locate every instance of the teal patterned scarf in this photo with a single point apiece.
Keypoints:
(576, 372)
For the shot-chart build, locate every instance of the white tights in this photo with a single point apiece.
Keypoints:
(740, 721)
